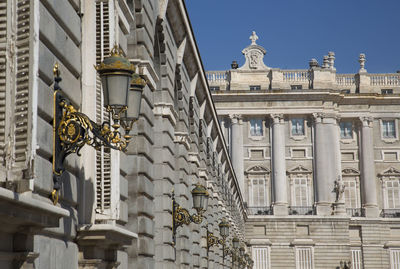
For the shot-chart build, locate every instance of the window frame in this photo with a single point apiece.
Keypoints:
(351, 138)
(391, 258)
(298, 136)
(267, 264)
(302, 264)
(396, 130)
(262, 128)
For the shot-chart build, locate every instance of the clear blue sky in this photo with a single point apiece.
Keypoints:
(294, 31)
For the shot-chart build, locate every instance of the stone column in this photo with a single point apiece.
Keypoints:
(237, 149)
(368, 181)
(326, 160)
(279, 165)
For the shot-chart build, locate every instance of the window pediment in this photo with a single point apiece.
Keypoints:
(390, 172)
(258, 169)
(350, 172)
(299, 169)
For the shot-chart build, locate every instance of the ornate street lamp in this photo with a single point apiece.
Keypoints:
(182, 216)
(72, 129)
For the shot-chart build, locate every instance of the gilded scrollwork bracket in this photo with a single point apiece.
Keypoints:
(73, 129)
(181, 216)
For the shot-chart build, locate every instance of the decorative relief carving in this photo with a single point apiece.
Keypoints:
(258, 169)
(350, 171)
(390, 172)
(254, 55)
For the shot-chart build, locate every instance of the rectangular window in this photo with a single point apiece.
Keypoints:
(261, 257)
(214, 88)
(258, 193)
(301, 192)
(387, 91)
(395, 259)
(297, 126)
(255, 87)
(346, 130)
(296, 87)
(350, 193)
(346, 91)
(388, 129)
(356, 259)
(392, 194)
(256, 127)
(304, 258)
(390, 156)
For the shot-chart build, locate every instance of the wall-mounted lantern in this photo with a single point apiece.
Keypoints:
(182, 216)
(122, 91)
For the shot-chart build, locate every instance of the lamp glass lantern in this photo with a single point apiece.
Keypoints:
(200, 198)
(235, 242)
(241, 251)
(116, 74)
(224, 228)
(134, 98)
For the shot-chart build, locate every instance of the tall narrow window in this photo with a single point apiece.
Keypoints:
(103, 154)
(388, 129)
(256, 127)
(356, 258)
(297, 126)
(258, 193)
(301, 192)
(261, 257)
(304, 258)
(392, 194)
(346, 130)
(351, 193)
(394, 259)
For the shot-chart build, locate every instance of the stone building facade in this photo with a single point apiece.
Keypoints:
(316, 155)
(115, 209)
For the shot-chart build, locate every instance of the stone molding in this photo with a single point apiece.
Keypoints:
(236, 119)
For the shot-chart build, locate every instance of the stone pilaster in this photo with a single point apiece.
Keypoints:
(327, 162)
(237, 149)
(368, 182)
(279, 165)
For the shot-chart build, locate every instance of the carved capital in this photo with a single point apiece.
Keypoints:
(236, 118)
(366, 121)
(278, 118)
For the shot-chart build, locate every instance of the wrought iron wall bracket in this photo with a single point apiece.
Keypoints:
(181, 216)
(72, 130)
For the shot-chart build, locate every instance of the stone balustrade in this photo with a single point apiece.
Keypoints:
(318, 78)
(301, 75)
(385, 79)
(216, 76)
(345, 79)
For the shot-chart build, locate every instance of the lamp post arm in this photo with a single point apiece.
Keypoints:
(72, 130)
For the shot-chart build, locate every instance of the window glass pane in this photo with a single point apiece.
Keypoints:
(388, 129)
(256, 127)
(393, 194)
(346, 130)
(297, 126)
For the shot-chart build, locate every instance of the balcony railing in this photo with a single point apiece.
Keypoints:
(390, 213)
(385, 79)
(345, 79)
(257, 210)
(216, 76)
(295, 75)
(301, 210)
(355, 212)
